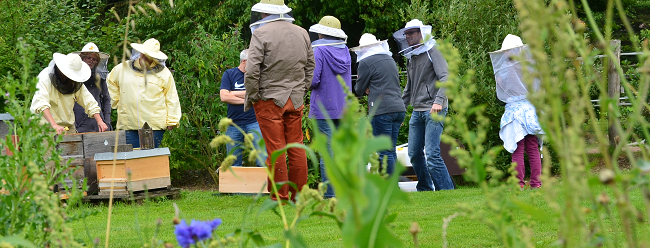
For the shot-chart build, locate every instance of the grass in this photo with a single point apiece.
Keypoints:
(132, 224)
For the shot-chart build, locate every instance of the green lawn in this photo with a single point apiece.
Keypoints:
(133, 223)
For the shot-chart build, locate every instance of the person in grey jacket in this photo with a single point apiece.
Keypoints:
(379, 79)
(96, 85)
(425, 67)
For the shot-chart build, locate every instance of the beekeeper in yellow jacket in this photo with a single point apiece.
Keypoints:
(143, 90)
(59, 86)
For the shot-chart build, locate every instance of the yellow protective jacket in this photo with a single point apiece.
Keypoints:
(156, 103)
(60, 105)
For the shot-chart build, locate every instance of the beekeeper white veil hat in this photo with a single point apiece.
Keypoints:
(330, 26)
(275, 8)
(426, 43)
(369, 45)
(102, 65)
(508, 70)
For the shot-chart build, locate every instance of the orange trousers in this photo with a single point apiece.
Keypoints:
(281, 126)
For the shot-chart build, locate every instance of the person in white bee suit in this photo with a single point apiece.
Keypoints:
(143, 90)
(520, 128)
(59, 87)
(96, 85)
(425, 67)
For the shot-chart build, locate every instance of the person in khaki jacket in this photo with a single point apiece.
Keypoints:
(143, 90)
(279, 71)
(59, 87)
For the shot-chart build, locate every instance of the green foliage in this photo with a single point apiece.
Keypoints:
(30, 210)
(586, 217)
(363, 196)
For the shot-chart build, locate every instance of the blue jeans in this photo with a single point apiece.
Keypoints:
(238, 137)
(324, 128)
(424, 133)
(388, 124)
(133, 138)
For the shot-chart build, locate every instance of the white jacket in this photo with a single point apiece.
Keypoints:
(156, 103)
(60, 105)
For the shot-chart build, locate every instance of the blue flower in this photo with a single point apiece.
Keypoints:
(184, 235)
(201, 230)
(215, 223)
(195, 232)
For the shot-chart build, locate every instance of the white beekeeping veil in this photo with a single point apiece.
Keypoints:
(507, 65)
(369, 45)
(276, 9)
(425, 44)
(102, 65)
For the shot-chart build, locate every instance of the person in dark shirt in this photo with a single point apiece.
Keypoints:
(96, 85)
(379, 79)
(233, 92)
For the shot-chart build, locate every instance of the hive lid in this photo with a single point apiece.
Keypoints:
(163, 151)
(6, 116)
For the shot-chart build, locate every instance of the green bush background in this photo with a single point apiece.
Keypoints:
(203, 39)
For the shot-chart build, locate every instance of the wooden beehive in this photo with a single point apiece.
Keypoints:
(245, 180)
(81, 148)
(98, 143)
(145, 169)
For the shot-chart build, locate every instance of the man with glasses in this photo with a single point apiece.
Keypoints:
(96, 85)
(425, 67)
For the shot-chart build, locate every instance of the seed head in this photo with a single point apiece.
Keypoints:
(607, 176)
(220, 140)
(228, 161)
(224, 124)
(603, 199)
(415, 228)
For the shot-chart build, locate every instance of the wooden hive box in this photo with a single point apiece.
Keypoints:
(149, 169)
(245, 180)
(98, 143)
(72, 148)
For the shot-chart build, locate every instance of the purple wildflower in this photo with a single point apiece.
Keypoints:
(200, 230)
(195, 232)
(7, 94)
(184, 235)
(215, 223)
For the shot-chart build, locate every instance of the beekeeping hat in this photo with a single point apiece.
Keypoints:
(72, 67)
(508, 69)
(271, 7)
(150, 47)
(404, 47)
(102, 65)
(369, 45)
(367, 40)
(274, 8)
(92, 48)
(510, 42)
(329, 26)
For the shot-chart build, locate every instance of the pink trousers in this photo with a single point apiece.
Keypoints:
(531, 146)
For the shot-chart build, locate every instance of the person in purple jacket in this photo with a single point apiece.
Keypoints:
(327, 95)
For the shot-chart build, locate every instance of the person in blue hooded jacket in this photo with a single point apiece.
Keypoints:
(327, 100)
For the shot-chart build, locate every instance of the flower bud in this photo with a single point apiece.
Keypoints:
(415, 228)
(603, 199)
(224, 124)
(606, 176)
